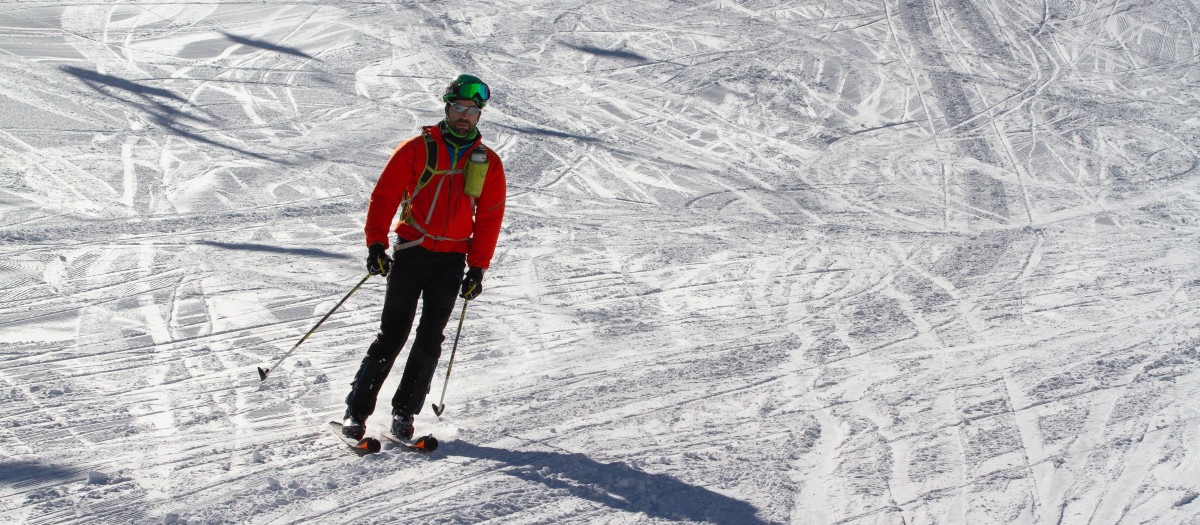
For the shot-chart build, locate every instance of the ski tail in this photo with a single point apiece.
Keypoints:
(425, 443)
(364, 446)
(368, 445)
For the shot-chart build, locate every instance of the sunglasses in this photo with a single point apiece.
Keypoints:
(461, 108)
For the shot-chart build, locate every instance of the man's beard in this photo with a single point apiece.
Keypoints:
(462, 126)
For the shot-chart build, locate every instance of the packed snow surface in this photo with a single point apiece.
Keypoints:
(898, 261)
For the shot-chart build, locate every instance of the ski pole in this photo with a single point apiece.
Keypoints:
(441, 406)
(262, 372)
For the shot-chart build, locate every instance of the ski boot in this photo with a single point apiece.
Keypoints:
(402, 425)
(354, 427)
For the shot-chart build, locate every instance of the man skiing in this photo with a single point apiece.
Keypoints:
(450, 192)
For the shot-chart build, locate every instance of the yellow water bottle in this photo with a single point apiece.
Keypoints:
(476, 171)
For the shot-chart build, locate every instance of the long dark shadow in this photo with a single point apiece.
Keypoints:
(90, 77)
(546, 132)
(610, 53)
(615, 485)
(268, 46)
(19, 474)
(162, 114)
(303, 252)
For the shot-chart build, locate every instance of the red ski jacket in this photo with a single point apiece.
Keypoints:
(438, 213)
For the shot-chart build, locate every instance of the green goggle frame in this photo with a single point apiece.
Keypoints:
(469, 88)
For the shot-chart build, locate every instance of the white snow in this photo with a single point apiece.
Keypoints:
(925, 261)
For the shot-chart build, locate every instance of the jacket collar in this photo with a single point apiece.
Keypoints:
(451, 139)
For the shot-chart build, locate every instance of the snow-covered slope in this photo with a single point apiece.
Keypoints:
(928, 261)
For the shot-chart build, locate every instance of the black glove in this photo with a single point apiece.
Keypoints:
(378, 262)
(472, 284)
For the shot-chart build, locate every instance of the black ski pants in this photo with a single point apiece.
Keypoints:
(417, 273)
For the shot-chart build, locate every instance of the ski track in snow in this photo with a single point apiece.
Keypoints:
(910, 261)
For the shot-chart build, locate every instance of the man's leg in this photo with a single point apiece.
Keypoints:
(422, 361)
(399, 309)
(440, 292)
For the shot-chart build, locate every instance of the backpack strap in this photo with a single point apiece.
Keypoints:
(431, 154)
(431, 157)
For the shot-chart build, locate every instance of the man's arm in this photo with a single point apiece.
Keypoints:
(397, 176)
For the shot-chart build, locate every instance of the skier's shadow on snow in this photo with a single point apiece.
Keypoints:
(616, 485)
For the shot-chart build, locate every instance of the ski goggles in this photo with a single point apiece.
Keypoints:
(461, 108)
(478, 92)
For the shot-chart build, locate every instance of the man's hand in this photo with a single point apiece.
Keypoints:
(472, 284)
(378, 262)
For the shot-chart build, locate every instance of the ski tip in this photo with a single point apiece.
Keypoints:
(426, 443)
(262, 373)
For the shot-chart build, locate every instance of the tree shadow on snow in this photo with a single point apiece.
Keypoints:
(304, 252)
(155, 102)
(547, 132)
(19, 474)
(608, 53)
(616, 485)
(260, 44)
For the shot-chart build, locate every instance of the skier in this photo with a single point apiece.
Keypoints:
(450, 191)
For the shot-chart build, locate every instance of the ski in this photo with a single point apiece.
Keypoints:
(362, 447)
(423, 444)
